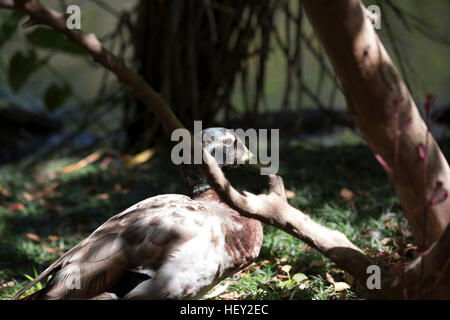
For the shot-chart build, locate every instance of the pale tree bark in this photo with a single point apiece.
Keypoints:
(371, 84)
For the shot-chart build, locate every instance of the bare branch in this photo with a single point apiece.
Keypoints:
(273, 209)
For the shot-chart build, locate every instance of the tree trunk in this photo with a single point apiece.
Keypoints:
(190, 52)
(371, 84)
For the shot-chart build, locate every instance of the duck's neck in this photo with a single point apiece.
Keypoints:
(194, 179)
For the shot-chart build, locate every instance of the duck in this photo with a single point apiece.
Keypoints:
(169, 246)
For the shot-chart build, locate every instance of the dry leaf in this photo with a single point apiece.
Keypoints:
(27, 196)
(4, 192)
(289, 194)
(329, 278)
(132, 161)
(46, 191)
(405, 232)
(385, 241)
(51, 250)
(53, 238)
(105, 163)
(33, 237)
(396, 256)
(15, 207)
(388, 223)
(340, 286)
(102, 196)
(7, 285)
(83, 163)
(218, 290)
(347, 195)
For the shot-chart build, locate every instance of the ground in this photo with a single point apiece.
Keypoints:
(44, 212)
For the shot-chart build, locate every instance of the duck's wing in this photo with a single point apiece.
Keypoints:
(143, 234)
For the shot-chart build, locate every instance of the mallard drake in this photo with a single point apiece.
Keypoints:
(169, 246)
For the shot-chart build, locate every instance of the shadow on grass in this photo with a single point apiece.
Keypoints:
(83, 200)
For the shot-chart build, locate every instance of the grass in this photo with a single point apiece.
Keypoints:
(46, 213)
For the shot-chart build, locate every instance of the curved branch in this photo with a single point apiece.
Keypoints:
(273, 209)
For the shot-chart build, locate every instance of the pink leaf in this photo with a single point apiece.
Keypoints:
(425, 252)
(435, 118)
(431, 98)
(429, 103)
(440, 196)
(405, 126)
(421, 151)
(383, 163)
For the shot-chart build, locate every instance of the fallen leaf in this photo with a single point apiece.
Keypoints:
(385, 241)
(53, 238)
(7, 285)
(388, 223)
(33, 237)
(289, 194)
(217, 290)
(15, 207)
(105, 163)
(347, 195)
(329, 278)
(4, 192)
(27, 196)
(46, 191)
(140, 158)
(396, 256)
(340, 286)
(404, 231)
(83, 163)
(52, 250)
(102, 196)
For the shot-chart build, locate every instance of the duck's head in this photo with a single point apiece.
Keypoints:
(228, 150)
(226, 147)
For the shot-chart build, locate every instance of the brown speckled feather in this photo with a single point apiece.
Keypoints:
(181, 246)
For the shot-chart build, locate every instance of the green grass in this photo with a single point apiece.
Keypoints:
(82, 200)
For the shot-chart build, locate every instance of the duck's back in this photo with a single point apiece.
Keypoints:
(165, 247)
